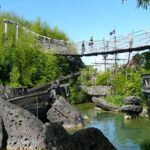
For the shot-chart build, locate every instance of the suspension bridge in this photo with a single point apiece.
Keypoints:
(132, 42)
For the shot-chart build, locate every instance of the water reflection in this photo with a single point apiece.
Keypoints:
(131, 135)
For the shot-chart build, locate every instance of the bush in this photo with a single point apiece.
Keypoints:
(103, 78)
(23, 62)
(115, 100)
(86, 77)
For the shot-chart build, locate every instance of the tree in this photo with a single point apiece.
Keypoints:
(143, 60)
(141, 3)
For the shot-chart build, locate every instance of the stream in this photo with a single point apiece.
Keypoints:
(124, 135)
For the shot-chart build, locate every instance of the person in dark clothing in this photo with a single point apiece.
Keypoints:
(91, 42)
(82, 47)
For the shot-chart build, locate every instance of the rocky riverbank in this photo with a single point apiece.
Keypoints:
(25, 131)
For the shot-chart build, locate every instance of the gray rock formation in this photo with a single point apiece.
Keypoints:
(1, 132)
(97, 90)
(90, 139)
(132, 107)
(86, 139)
(101, 103)
(132, 100)
(62, 112)
(25, 131)
(23, 128)
(39, 100)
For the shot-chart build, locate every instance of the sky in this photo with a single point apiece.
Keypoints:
(81, 19)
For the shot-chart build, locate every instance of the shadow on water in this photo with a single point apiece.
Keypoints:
(125, 135)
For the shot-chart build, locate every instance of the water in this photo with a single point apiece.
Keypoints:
(130, 135)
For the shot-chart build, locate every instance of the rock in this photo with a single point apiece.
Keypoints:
(1, 132)
(62, 112)
(101, 103)
(144, 113)
(127, 117)
(132, 107)
(97, 90)
(25, 131)
(90, 139)
(132, 100)
(23, 128)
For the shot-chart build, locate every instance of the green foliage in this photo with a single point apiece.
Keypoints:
(23, 62)
(86, 76)
(143, 60)
(116, 100)
(44, 29)
(14, 77)
(127, 82)
(103, 78)
(76, 94)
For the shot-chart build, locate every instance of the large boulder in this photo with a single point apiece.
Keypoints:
(102, 104)
(90, 139)
(132, 107)
(97, 90)
(25, 131)
(1, 132)
(62, 112)
(132, 100)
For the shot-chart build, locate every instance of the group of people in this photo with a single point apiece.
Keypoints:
(91, 43)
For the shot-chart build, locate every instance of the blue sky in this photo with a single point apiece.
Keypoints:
(81, 19)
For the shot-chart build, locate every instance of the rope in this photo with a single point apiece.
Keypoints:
(114, 43)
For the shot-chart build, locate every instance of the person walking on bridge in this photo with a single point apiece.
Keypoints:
(91, 42)
(82, 47)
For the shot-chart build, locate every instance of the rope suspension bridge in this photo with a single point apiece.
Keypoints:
(133, 42)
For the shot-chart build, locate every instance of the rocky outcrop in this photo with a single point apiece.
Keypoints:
(101, 103)
(97, 90)
(62, 112)
(23, 128)
(132, 107)
(90, 139)
(1, 132)
(25, 131)
(44, 102)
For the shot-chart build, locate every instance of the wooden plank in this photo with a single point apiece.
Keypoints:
(112, 52)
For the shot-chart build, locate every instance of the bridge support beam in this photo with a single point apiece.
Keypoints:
(6, 27)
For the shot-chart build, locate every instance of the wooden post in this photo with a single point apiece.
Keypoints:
(6, 26)
(49, 42)
(115, 43)
(105, 57)
(115, 62)
(44, 42)
(17, 31)
(104, 45)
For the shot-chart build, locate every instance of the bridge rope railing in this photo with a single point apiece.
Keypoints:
(57, 46)
(132, 40)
